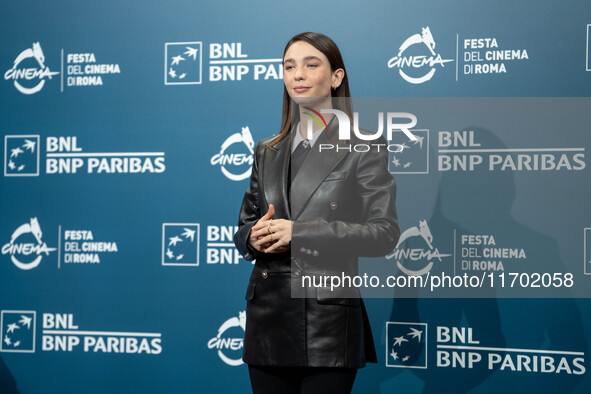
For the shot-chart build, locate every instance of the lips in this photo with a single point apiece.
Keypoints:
(301, 89)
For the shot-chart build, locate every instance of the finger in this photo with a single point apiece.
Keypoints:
(277, 245)
(269, 213)
(261, 233)
(259, 224)
(264, 242)
(262, 222)
(255, 244)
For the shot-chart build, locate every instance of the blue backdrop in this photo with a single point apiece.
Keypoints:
(125, 158)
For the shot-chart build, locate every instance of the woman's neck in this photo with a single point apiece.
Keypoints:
(308, 113)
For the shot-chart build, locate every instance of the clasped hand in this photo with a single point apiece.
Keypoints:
(270, 235)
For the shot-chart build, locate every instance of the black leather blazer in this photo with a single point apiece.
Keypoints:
(343, 206)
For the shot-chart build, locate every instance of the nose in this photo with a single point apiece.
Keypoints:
(299, 74)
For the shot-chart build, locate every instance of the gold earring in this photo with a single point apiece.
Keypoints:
(334, 87)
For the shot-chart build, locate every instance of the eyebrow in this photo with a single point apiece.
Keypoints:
(305, 59)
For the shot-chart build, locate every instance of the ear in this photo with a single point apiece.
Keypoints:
(337, 77)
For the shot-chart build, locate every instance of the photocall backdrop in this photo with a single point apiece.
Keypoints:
(128, 130)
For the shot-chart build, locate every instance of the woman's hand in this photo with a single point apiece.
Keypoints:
(270, 235)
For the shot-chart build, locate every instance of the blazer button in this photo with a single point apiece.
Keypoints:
(315, 253)
(297, 272)
(303, 250)
(264, 274)
(333, 205)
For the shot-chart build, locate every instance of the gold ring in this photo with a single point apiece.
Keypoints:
(269, 229)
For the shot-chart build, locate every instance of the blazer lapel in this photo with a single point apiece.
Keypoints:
(275, 168)
(316, 167)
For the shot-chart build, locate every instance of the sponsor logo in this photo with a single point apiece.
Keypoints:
(64, 155)
(417, 60)
(82, 69)
(229, 340)
(482, 253)
(29, 72)
(459, 348)
(180, 244)
(220, 245)
(234, 160)
(183, 63)
(21, 155)
(17, 330)
(461, 151)
(26, 248)
(82, 247)
(413, 157)
(484, 56)
(228, 61)
(420, 66)
(61, 334)
(406, 345)
(415, 254)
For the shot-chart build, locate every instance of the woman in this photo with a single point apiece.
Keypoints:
(311, 212)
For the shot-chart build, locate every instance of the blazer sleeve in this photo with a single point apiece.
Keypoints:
(249, 211)
(373, 233)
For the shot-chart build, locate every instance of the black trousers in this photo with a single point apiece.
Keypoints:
(301, 380)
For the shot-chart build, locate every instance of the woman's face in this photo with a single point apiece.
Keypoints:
(307, 73)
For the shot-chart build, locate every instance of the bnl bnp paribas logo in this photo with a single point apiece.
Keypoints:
(416, 60)
(180, 244)
(17, 331)
(21, 155)
(227, 61)
(406, 345)
(59, 333)
(183, 62)
(29, 72)
(413, 157)
(26, 247)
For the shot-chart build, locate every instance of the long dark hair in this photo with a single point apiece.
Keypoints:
(328, 47)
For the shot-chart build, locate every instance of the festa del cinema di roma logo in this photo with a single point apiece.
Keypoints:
(31, 71)
(230, 342)
(236, 165)
(410, 253)
(26, 242)
(418, 62)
